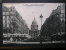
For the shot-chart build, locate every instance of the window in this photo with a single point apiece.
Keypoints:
(3, 13)
(62, 11)
(11, 17)
(8, 21)
(3, 21)
(3, 17)
(7, 18)
(7, 13)
(12, 12)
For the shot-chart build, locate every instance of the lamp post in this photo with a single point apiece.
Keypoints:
(41, 30)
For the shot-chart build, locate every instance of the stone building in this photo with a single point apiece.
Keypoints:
(34, 32)
(60, 12)
(13, 23)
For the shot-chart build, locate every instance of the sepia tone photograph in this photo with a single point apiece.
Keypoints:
(33, 23)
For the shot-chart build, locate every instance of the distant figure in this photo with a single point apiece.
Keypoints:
(11, 39)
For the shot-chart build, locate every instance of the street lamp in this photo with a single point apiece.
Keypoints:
(41, 30)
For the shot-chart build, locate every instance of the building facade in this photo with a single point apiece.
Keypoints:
(13, 23)
(60, 12)
(34, 32)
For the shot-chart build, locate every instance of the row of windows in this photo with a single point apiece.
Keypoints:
(14, 35)
(7, 20)
(8, 13)
(34, 33)
(5, 13)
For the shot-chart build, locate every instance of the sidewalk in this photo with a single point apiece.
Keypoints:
(49, 42)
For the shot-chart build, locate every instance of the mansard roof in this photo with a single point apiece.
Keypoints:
(5, 9)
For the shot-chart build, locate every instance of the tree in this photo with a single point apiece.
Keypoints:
(51, 26)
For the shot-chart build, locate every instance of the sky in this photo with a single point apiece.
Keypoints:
(29, 11)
